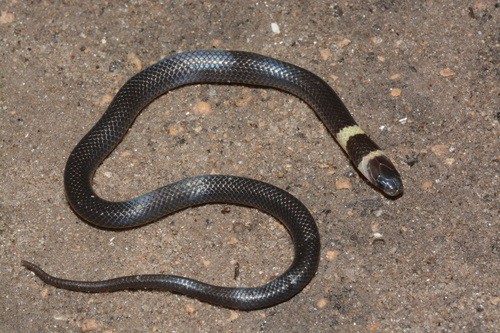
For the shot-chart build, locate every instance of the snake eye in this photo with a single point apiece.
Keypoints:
(384, 176)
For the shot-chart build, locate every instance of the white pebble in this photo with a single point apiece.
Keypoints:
(275, 28)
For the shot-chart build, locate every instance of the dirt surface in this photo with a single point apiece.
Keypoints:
(419, 76)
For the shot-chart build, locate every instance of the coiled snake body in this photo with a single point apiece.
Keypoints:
(215, 67)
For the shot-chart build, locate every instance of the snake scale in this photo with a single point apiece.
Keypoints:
(215, 66)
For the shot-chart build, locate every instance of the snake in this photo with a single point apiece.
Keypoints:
(215, 67)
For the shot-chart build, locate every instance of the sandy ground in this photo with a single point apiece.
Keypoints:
(421, 77)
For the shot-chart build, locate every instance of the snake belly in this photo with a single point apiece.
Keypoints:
(215, 66)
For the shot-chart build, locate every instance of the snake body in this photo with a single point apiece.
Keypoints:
(215, 66)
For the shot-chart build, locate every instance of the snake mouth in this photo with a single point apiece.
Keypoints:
(382, 173)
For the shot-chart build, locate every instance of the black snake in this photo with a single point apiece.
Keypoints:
(215, 67)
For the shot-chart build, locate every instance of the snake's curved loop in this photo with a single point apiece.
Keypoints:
(215, 67)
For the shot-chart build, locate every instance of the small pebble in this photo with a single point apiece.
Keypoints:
(239, 227)
(104, 100)
(126, 153)
(395, 76)
(427, 185)
(376, 40)
(243, 101)
(446, 72)
(325, 54)
(89, 325)
(132, 58)
(495, 301)
(257, 148)
(343, 184)
(233, 316)
(216, 43)
(321, 303)
(206, 263)
(332, 254)
(381, 58)
(395, 92)
(190, 309)
(480, 5)
(6, 17)
(343, 43)
(232, 240)
(275, 28)
(449, 161)
(176, 129)
(374, 326)
(44, 293)
(334, 77)
(440, 150)
(202, 108)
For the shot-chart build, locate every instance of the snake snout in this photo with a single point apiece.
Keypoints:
(384, 176)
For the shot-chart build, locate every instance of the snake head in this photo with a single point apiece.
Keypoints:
(381, 172)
